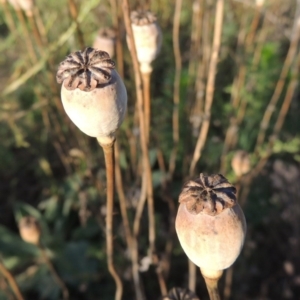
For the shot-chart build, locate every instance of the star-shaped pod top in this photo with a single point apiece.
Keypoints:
(85, 70)
(141, 17)
(208, 194)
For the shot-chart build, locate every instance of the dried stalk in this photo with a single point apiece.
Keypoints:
(74, 14)
(116, 18)
(53, 272)
(147, 103)
(108, 150)
(28, 41)
(194, 57)
(280, 84)
(239, 81)
(197, 110)
(228, 283)
(176, 92)
(131, 241)
(144, 146)
(210, 85)
(12, 282)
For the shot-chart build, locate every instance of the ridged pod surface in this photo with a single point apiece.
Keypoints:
(92, 93)
(210, 224)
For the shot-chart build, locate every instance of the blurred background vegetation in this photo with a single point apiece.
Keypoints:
(53, 172)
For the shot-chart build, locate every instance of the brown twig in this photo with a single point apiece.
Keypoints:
(12, 282)
(116, 18)
(176, 85)
(238, 104)
(53, 272)
(108, 150)
(131, 241)
(27, 38)
(210, 85)
(147, 103)
(74, 14)
(146, 162)
(281, 81)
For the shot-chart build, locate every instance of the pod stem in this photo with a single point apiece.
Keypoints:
(108, 150)
(147, 102)
(12, 282)
(211, 281)
(54, 273)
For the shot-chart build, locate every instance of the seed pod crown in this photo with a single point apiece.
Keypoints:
(208, 194)
(141, 17)
(85, 69)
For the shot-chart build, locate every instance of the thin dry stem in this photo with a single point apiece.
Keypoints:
(116, 18)
(109, 164)
(228, 283)
(74, 14)
(28, 41)
(282, 78)
(212, 288)
(147, 103)
(210, 84)
(144, 146)
(12, 282)
(192, 276)
(131, 241)
(176, 92)
(53, 272)
(239, 105)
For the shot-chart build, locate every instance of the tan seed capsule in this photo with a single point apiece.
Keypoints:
(241, 163)
(105, 41)
(210, 224)
(92, 93)
(30, 230)
(147, 38)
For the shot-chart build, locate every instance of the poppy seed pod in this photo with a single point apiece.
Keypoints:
(27, 6)
(105, 40)
(241, 163)
(93, 94)
(210, 224)
(30, 230)
(147, 38)
(15, 4)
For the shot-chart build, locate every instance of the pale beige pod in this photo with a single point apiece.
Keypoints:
(15, 4)
(30, 230)
(93, 94)
(105, 41)
(241, 163)
(210, 224)
(27, 6)
(147, 38)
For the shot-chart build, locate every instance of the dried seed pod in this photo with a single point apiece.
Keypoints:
(147, 38)
(27, 6)
(105, 41)
(180, 294)
(15, 4)
(30, 230)
(210, 224)
(92, 93)
(241, 163)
